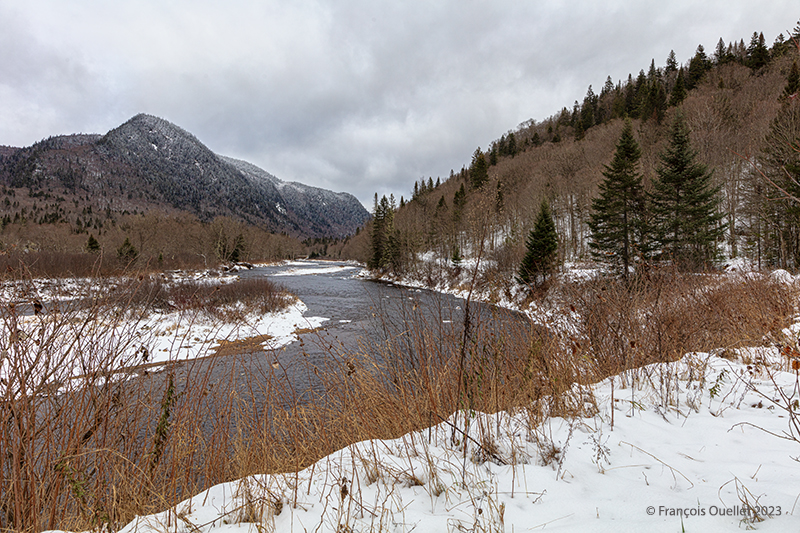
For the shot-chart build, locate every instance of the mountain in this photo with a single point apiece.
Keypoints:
(325, 210)
(148, 162)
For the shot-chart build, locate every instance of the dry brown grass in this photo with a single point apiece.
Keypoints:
(49, 264)
(229, 300)
(667, 314)
(102, 451)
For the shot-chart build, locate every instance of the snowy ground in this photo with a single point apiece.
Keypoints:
(704, 444)
(174, 336)
(142, 340)
(301, 268)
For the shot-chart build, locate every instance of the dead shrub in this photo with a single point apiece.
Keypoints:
(661, 317)
(101, 451)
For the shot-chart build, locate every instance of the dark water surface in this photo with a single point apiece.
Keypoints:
(361, 314)
(363, 317)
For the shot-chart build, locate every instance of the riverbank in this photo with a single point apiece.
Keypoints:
(656, 449)
(569, 440)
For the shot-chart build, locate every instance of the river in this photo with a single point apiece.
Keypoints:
(362, 315)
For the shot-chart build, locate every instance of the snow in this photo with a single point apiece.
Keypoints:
(303, 269)
(695, 445)
(707, 443)
(782, 276)
(740, 264)
(173, 337)
(152, 339)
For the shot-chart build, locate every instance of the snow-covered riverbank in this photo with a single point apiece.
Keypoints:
(701, 444)
(710, 442)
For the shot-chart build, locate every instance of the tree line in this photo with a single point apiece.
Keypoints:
(704, 155)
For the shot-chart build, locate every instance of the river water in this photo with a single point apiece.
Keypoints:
(363, 317)
(365, 320)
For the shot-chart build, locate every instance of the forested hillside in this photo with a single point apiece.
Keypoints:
(156, 187)
(739, 105)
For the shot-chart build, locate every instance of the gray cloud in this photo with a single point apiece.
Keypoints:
(358, 95)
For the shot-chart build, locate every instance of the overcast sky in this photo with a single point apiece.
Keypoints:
(361, 96)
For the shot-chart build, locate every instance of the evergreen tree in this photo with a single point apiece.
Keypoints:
(684, 204)
(588, 110)
(720, 53)
(653, 104)
(678, 93)
(779, 47)
(659, 99)
(698, 66)
(459, 201)
(608, 87)
(238, 251)
(479, 170)
(381, 227)
(653, 73)
(542, 249)
(672, 63)
(92, 246)
(511, 147)
(640, 94)
(502, 146)
(757, 52)
(616, 223)
(127, 252)
(630, 97)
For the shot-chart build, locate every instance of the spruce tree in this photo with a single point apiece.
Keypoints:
(757, 52)
(390, 253)
(617, 219)
(493, 155)
(686, 222)
(382, 222)
(127, 252)
(720, 53)
(542, 248)
(459, 201)
(511, 146)
(239, 249)
(678, 93)
(92, 246)
(587, 116)
(698, 66)
(672, 63)
(479, 170)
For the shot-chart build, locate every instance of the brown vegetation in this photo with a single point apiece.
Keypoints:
(730, 113)
(102, 451)
(159, 242)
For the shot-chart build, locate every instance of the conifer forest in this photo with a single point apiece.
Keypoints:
(690, 165)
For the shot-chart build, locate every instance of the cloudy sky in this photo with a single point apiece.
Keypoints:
(361, 96)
